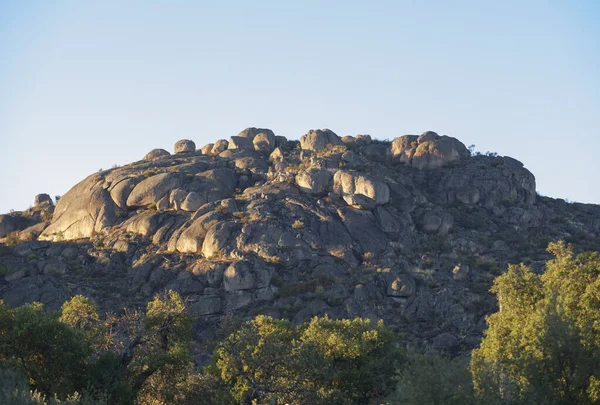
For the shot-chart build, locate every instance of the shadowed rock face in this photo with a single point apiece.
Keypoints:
(410, 231)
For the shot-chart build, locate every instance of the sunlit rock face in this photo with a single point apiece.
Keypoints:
(410, 231)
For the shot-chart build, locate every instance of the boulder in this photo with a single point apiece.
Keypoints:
(276, 155)
(257, 166)
(314, 181)
(264, 142)
(192, 202)
(428, 151)
(120, 192)
(319, 139)
(152, 189)
(350, 183)
(83, 210)
(145, 223)
(220, 146)
(237, 142)
(184, 146)
(156, 154)
(42, 199)
(362, 140)
(207, 149)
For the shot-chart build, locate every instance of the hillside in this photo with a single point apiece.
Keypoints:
(411, 231)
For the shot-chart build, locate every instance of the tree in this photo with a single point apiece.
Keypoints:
(543, 345)
(50, 353)
(324, 361)
(352, 360)
(257, 360)
(431, 379)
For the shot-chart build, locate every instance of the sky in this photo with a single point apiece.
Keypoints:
(88, 85)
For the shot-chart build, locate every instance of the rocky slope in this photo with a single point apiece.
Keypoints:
(411, 231)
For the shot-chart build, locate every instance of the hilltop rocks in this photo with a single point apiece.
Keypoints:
(354, 188)
(152, 189)
(260, 225)
(184, 146)
(157, 153)
(428, 151)
(320, 139)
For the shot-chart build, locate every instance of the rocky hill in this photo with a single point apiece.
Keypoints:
(411, 231)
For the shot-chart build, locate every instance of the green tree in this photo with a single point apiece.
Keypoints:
(257, 360)
(431, 379)
(79, 312)
(543, 345)
(50, 353)
(352, 360)
(322, 362)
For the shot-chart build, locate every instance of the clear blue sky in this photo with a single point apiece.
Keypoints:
(85, 85)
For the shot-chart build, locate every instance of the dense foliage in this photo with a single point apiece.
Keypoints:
(541, 347)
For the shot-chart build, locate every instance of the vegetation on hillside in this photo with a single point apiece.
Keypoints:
(541, 347)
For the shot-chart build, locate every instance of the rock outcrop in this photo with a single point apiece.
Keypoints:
(410, 231)
(428, 151)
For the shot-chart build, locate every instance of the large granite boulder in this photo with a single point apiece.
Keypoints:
(152, 189)
(42, 199)
(220, 146)
(85, 209)
(264, 142)
(320, 139)
(156, 154)
(184, 146)
(428, 151)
